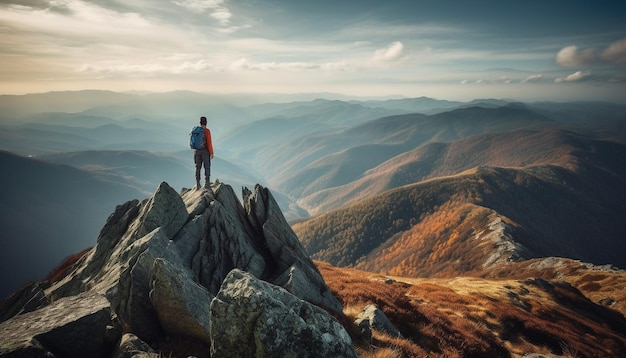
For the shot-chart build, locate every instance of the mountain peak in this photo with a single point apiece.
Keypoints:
(160, 267)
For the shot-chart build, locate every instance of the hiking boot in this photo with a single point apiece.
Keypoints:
(198, 186)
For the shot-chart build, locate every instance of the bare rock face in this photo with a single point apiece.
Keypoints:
(296, 272)
(155, 270)
(27, 298)
(273, 321)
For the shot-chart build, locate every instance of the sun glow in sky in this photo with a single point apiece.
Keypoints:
(449, 49)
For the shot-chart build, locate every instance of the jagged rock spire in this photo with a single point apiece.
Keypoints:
(160, 263)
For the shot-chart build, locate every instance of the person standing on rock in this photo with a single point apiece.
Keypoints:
(202, 145)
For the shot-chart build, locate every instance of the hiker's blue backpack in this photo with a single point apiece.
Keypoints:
(196, 138)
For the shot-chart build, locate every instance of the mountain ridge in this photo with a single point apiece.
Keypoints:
(395, 134)
(518, 148)
(549, 205)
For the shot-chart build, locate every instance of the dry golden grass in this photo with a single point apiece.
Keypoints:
(607, 287)
(476, 317)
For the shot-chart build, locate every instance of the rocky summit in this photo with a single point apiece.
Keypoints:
(196, 273)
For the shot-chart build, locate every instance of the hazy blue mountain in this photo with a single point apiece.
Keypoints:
(49, 211)
(146, 170)
(43, 138)
(34, 140)
(288, 122)
(604, 119)
(423, 105)
(181, 109)
(517, 149)
(333, 112)
(297, 163)
(15, 107)
(64, 119)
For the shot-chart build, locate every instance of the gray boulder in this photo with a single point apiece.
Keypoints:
(77, 326)
(181, 304)
(253, 318)
(371, 317)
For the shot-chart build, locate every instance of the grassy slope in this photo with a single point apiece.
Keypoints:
(475, 317)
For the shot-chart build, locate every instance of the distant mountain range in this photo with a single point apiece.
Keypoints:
(456, 207)
(419, 179)
(49, 211)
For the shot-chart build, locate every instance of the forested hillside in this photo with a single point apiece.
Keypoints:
(441, 226)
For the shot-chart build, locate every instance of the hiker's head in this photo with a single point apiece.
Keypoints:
(203, 120)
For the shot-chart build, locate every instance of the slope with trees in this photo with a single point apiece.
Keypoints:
(433, 227)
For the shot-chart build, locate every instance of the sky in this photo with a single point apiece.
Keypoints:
(446, 49)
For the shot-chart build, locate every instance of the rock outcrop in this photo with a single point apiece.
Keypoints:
(198, 266)
(371, 317)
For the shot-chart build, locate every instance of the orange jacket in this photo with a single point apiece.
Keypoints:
(209, 142)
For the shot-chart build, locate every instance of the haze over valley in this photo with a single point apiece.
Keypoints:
(317, 156)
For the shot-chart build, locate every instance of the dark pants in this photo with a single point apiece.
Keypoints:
(200, 157)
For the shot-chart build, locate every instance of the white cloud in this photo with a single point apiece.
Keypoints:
(615, 53)
(84, 23)
(393, 52)
(532, 78)
(574, 77)
(338, 66)
(503, 79)
(245, 64)
(572, 56)
(99, 42)
(147, 69)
